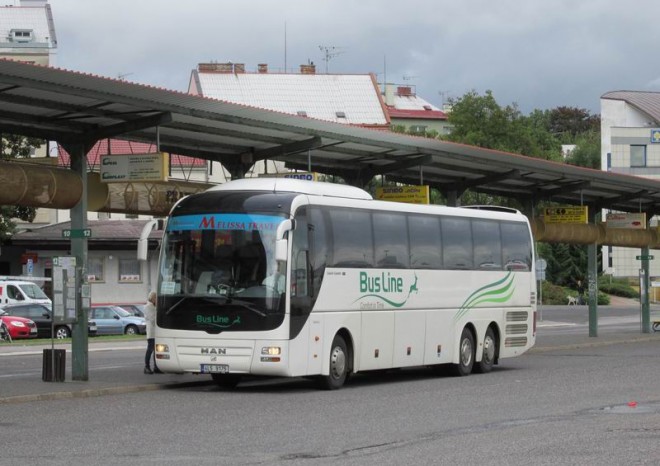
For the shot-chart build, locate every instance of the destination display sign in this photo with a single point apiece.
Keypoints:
(566, 214)
(409, 194)
(635, 221)
(134, 167)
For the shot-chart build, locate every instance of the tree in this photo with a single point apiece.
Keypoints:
(568, 122)
(12, 147)
(587, 150)
(480, 121)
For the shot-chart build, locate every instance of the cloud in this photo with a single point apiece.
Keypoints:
(538, 54)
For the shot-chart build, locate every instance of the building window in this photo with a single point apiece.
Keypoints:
(95, 269)
(637, 156)
(129, 270)
(20, 35)
(418, 129)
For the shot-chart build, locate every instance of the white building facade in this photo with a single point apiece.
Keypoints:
(630, 145)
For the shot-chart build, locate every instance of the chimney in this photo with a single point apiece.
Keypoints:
(239, 68)
(404, 90)
(262, 68)
(389, 95)
(219, 67)
(308, 69)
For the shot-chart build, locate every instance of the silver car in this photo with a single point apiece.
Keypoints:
(113, 320)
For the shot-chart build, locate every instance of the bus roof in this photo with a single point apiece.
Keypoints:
(317, 188)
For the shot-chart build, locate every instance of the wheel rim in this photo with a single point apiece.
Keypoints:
(61, 333)
(337, 362)
(466, 352)
(489, 350)
(130, 331)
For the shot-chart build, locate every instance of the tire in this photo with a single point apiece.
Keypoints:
(489, 354)
(62, 332)
(466, 354)
(227, 381)
(338, 365)
(131, 330)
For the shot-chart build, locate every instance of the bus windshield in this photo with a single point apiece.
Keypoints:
(218, 273)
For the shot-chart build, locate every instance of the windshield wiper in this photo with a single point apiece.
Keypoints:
(175, 305)
(246, 305)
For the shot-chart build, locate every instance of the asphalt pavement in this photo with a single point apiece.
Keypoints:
(552, 335)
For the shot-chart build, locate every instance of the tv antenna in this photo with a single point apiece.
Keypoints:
(407, 77)
(442, 95)
(122, 76)
(330, 52)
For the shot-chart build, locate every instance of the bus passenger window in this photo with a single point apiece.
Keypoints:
(391, 240)
(487, 245)
(516, 246)
(457, 243)
(425, 242)
(352, 238)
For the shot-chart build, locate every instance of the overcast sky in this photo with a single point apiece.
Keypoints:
(536, 53)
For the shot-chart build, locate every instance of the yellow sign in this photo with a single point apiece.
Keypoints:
(409, 194)
(566, 214)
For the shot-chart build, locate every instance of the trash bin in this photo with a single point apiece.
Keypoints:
(56, 374)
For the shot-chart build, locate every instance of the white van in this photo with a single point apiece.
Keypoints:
(20, 292)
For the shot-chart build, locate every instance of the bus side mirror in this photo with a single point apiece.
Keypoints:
(281, 244)
(143, 241)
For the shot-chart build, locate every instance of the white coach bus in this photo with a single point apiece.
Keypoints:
(279, 277)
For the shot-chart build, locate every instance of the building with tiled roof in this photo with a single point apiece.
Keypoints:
(352, 99)
(630, 144)
(27, 32)
(112, 266)
(405, 108)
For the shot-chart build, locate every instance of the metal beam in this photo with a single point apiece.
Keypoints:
(288, 149)
(128, 126)
(567, 187)
(484, 180)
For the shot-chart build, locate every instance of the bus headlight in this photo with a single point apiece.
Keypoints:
(161, 348)
(271, 350)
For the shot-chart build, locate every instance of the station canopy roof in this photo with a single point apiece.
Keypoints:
(73, 108)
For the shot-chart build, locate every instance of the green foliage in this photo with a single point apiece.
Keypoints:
(481, 121)
(568, 122)
(587, 150)
(556, 295)
(567, 263)
(618, 288)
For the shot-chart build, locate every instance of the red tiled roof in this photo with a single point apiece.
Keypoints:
(121, 147)
(417, 114)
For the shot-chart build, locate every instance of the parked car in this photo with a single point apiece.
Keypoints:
(42, 315)
(19, 327)
(136, 309)
(21, 292)
(115, 320)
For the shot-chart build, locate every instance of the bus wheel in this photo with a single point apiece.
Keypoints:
(488, 357)
(465, 354)
(227, 381)
(338, 365)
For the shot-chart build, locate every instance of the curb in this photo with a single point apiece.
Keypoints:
(594, 344)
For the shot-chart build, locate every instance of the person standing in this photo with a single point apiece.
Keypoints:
(150, 320)
(580, 290)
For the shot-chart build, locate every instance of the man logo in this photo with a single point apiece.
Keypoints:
(214, 350)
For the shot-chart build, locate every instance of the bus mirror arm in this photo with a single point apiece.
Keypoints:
(281, 243)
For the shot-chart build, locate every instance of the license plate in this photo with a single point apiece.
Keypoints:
(214, 368)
